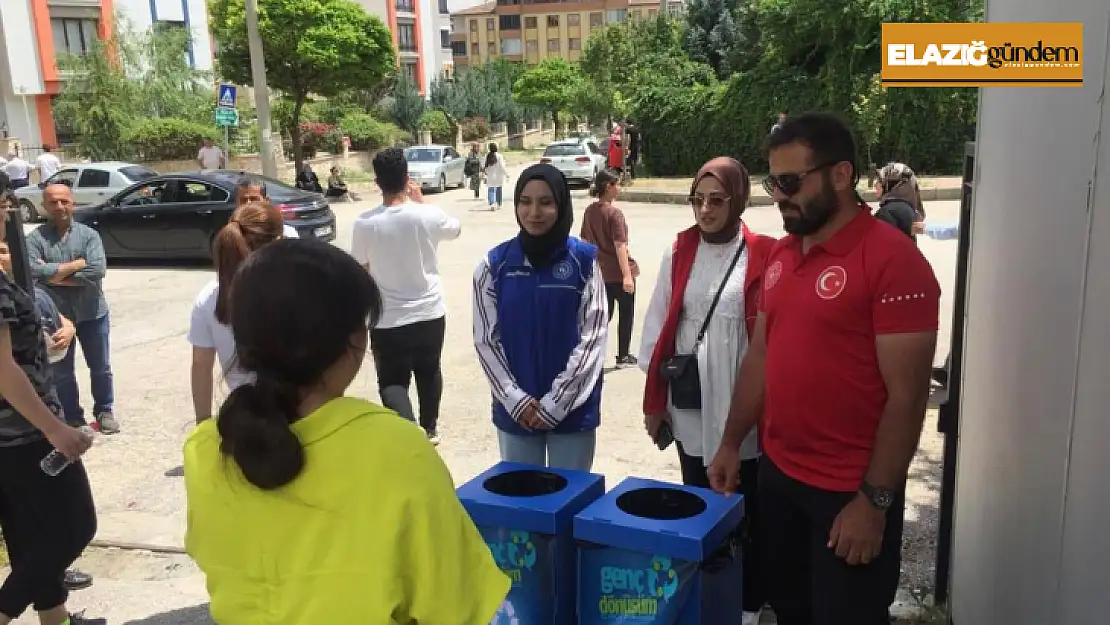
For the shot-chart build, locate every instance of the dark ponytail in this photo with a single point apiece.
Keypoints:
(602, 180)
(295, 305)
(254, 430)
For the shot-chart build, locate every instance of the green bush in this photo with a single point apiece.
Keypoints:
(439, 124)
(474, 128)
(167, 139)
(369, 134)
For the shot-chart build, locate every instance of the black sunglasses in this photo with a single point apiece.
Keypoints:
(790, 184)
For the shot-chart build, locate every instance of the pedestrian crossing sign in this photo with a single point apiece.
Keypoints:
(227, 96)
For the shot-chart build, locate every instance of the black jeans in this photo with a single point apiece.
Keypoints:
(615, 293)
(694, 474)
(808, 584)
(406, 352)
(47, 523)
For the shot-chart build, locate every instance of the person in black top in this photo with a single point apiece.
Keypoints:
(308, 181)
(633, 147)
(900, 199)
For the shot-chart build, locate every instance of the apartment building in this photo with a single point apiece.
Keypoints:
(532, 30)
(33, 33)
(421, 35)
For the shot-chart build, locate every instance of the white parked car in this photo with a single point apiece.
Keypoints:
(92, 184)
(435, 166)
(579, 160)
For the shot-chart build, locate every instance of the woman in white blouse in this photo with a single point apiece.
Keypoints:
(252, 226)
(496, 173)
(696, 331)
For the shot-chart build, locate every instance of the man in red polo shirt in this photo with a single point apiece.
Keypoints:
(838, 368)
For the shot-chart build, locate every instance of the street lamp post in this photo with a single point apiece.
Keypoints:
(261, 90)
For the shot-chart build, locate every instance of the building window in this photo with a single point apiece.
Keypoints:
(597, 20)
(74, 36)
(458, 48)
(475, 49)
(406, 37)
(533, 45)
(473, 26)
(510, 46)
(529, 22)
(408, 6)
(490, 25)
(552, 45)
(574, 44)
(491, 49)
(443, 10)
(507, 3)
(652, 13)
(552, 21)
(616, 15)
(572, 19)
(635, 16)
(509, 22)
(409, 70)
(444, 38)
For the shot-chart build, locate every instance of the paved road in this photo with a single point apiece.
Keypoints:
(135, 474)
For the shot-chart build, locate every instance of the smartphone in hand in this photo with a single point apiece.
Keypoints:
(665, 437)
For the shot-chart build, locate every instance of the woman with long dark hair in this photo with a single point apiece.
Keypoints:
(307, 506)
(494, 167)
(540, 328)
(696, 331)
(252, 226)
(604, 225)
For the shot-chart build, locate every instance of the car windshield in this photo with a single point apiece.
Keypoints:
(423, 155)
(135, 173)
(566, 149)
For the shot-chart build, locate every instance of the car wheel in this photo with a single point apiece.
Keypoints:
(442, 183)
(28, 212)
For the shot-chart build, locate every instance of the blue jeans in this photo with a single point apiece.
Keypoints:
(560, 451)
(93, 337)
(494, 195)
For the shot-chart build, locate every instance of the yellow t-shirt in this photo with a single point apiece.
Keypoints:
(370, 533)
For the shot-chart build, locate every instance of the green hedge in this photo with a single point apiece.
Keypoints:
(686, 126)
(367, 133)
(439, 124)
(167, 139)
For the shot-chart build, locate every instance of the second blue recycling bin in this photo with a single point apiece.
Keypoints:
(526, 514)
(652, 552)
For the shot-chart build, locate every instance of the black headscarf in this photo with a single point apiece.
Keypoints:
(539, 249)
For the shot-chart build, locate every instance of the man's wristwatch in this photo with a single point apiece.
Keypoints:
(881, 498)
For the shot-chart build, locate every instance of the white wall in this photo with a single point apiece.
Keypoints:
(139, 14)
(429, 41)
(1033, 494)
(18, 32)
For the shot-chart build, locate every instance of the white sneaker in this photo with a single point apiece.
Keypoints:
(433, 438)
(751, 618)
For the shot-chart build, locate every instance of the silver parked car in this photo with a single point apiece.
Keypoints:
(579, 160)
(435, 166)
(92, 184)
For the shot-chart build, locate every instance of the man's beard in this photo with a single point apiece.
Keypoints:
(811, 217)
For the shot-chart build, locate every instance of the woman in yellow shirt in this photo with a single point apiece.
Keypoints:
(310, 508)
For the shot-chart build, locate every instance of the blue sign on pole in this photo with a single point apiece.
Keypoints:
(227, 97)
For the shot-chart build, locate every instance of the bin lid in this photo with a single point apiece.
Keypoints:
(659, 518)
(529, 498)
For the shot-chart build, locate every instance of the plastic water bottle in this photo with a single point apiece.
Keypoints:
(943, 231)
(55, 462)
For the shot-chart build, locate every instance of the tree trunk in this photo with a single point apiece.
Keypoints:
(295, 132)
(555, 122)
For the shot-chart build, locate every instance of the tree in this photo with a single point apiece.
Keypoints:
(323, 47)
(712, 36)
(131, 76)
(407, 106)
(549, 86)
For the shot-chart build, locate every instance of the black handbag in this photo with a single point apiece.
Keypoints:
(681, 370)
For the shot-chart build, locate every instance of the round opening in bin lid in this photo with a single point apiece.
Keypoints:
(661, 504)
(525, 483)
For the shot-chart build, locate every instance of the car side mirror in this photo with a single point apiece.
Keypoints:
(42, 185)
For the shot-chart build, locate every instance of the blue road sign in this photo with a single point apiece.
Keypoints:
(227, 97)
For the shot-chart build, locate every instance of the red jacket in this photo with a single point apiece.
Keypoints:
(682, 261)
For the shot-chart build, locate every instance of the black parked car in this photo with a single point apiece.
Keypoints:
(177, 216)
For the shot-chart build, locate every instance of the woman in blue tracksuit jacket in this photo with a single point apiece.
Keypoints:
(540, 328)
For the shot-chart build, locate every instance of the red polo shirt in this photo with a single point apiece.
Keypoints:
(824, 392)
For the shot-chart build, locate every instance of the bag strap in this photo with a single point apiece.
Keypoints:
(717, 297)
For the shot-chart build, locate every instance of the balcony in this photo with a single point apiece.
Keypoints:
(406, 6)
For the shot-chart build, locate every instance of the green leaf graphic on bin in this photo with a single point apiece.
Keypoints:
(663, 578)
(521, 551)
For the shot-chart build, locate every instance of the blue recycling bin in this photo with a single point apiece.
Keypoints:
(653, 552)
(526, 514)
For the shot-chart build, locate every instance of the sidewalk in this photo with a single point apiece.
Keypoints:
(677, 190)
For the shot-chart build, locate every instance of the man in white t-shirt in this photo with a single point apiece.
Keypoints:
(47, 164)
(250, 189)
(397, 242)
(18, 170)
(210, 156)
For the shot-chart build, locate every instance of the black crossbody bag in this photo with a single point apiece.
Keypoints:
(681, 370)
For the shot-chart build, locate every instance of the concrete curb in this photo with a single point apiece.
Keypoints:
(649, 196)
